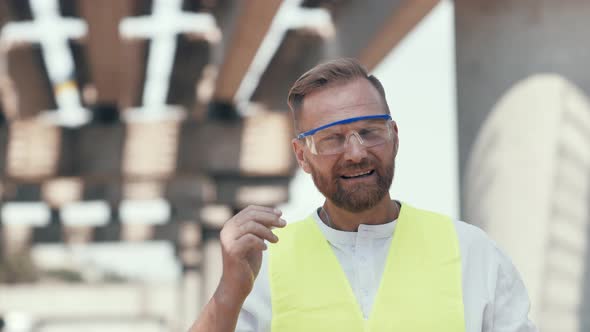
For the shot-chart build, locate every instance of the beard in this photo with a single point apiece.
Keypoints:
(358, 197)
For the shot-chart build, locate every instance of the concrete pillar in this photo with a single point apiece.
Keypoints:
(524, 143)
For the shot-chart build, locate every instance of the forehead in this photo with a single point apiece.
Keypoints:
(340, 101)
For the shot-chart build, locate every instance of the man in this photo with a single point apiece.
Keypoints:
(362, 261)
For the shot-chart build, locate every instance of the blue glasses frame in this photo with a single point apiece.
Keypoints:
(345, 121)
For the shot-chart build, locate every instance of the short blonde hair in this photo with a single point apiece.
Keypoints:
(328, 73)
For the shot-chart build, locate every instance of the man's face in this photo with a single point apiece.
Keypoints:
(358, 178)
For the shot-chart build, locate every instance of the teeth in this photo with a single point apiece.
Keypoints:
(357, 174)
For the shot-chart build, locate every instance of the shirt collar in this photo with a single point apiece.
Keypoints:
(367, 231)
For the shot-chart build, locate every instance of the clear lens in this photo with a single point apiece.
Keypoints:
(333, 140)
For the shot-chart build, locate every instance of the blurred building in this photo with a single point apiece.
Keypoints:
(524, 144)
(528, 184)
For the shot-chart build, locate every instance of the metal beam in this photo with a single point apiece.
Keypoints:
(215, 147)
(21, 192)
(190, 59)
(243, 191)
(218, 147)
(201, 137)
(403, 20)
(353, 31)
(252, 24)
(3, 149)
(29, 76)
(94, 160)
(116, 65)
(32, 150)
(111, 232)
(286, 66)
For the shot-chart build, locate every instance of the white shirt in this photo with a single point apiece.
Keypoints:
(494, 296)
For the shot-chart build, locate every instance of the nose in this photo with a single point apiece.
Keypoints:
(354, 150)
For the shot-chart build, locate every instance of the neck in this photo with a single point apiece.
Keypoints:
(385, 211)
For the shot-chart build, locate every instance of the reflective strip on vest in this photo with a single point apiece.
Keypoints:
(420, 289)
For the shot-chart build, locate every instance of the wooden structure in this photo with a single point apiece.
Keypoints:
(112, 106)
(190, 141)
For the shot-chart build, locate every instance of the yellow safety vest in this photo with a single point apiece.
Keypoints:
(420, 288)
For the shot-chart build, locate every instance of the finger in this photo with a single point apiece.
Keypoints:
(257, 229)
(263, 208)
(248, 243)
(268, 220)
(263, 217)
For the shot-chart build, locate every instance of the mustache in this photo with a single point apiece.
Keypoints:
(349, 166)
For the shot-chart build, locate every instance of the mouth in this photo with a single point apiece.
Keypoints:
(358, 175)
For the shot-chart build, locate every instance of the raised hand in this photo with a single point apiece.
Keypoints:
(242, 243)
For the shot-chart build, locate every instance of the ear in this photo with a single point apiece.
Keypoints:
(299, 151)
(395, 138)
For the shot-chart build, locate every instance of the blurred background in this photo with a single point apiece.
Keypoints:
(130, 130)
